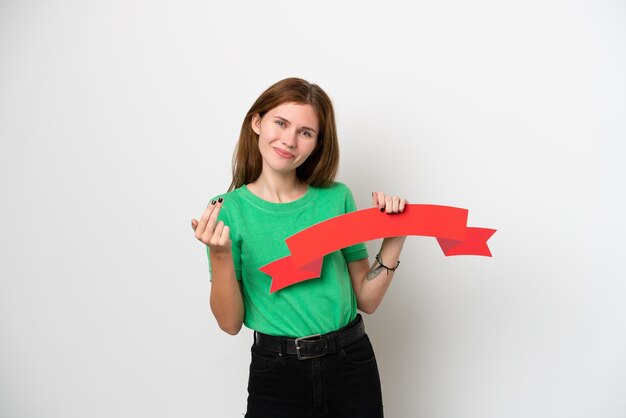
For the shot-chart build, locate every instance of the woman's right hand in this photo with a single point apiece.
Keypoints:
(226, 300)
(212, 233)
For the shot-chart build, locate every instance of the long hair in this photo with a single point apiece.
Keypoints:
(320, 168)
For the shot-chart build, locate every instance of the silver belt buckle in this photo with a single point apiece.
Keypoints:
(308, 337)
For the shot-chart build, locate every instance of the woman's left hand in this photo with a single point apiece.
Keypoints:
(388, 204)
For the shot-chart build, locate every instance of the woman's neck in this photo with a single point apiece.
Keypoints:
(278, 189)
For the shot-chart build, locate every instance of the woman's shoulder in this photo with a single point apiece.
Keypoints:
(336, 192)
(336, 188)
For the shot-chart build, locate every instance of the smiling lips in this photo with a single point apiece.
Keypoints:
(283, 153)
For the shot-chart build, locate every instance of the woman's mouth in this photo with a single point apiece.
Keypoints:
(283, 153)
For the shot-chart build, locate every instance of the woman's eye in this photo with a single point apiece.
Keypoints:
(307, 134)
(280, 123)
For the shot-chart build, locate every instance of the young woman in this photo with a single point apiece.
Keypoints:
(310, 356)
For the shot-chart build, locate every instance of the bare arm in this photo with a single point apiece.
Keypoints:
(371, 283)
(226, 300)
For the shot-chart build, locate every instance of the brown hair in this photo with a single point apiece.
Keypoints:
(320, 167)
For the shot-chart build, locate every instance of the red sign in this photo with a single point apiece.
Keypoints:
(308, 247)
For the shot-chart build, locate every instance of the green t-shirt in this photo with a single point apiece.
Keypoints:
(258, 230)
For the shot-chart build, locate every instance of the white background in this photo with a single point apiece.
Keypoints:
(118, 120)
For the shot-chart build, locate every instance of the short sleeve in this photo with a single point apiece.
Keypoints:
(357, 251)
(236, 244)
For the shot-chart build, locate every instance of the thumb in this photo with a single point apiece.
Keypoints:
(194, 224)
(225, 234)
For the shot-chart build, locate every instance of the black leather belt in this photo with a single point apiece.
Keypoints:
(313, 345)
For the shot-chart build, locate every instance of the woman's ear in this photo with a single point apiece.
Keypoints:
(256, 123)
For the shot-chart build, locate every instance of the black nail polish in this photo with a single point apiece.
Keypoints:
(220, 200)
(382, 209)
(212, 202)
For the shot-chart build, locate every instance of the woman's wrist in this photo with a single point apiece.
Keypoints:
(393, 242)
(220, 255)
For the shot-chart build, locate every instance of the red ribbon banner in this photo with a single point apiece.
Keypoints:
(308, 247)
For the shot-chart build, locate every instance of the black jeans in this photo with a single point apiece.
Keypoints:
(344, 384)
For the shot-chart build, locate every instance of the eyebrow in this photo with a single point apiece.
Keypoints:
(286, 120)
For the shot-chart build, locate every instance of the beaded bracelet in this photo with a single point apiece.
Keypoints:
(380, 261)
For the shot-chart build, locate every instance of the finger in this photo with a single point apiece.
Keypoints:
(380, 201)
(396, 204)
(217, 232)
(204, 219)
(208, 220)
(212, 221)
(207, 234)
(389, 204)
(225, 235)
(374, 199)
(403, 203)
(209, 209)
(194, 224)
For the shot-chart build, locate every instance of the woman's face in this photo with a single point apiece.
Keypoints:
(287, 136)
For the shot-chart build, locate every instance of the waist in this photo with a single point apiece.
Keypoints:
(313, 345)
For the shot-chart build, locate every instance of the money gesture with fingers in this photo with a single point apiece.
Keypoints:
(211, 232)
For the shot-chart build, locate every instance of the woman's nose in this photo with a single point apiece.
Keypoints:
(289, 139)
